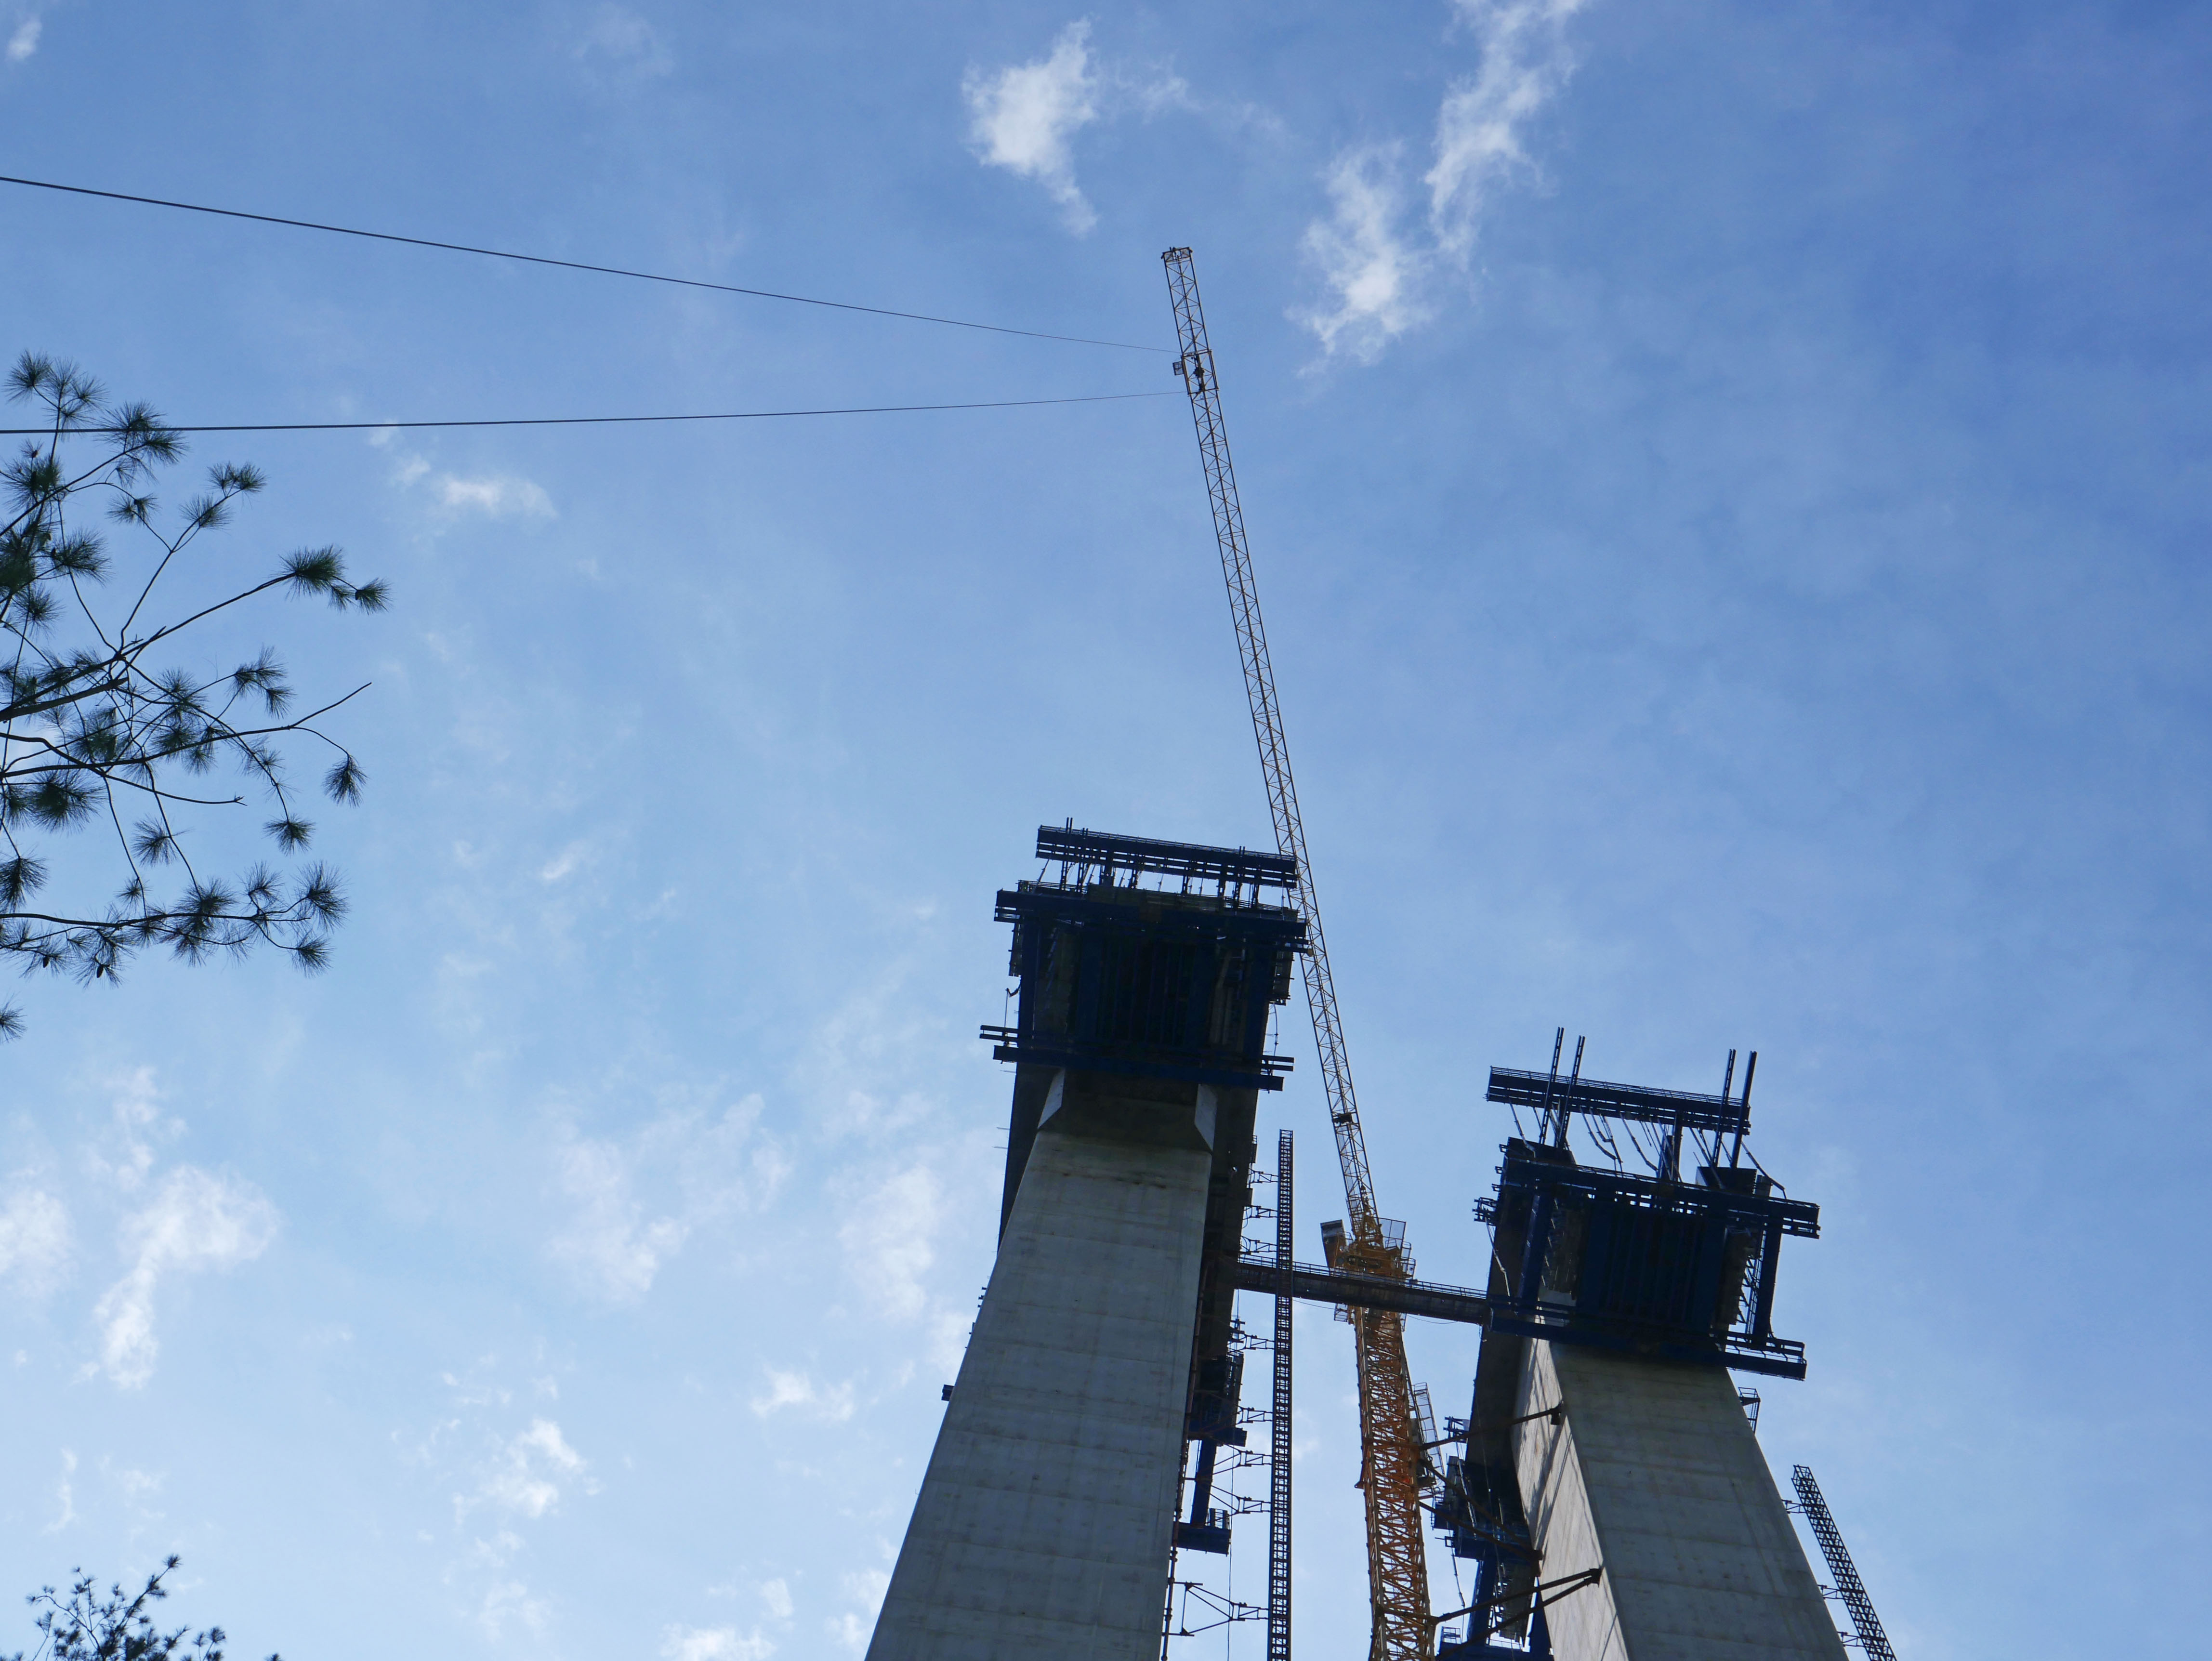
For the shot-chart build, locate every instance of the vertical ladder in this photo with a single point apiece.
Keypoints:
(1851, 1590)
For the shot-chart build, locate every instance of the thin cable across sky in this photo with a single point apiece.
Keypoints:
(572, 265)
(596, 421)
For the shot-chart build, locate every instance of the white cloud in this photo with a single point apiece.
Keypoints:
(65, 1492)
(565, 862)
(137, 1121)
(196, 1222)
(1022, 116)
(500, 496)
(858, 1065)
(776, 1594)
(495, 495)
(509, 1601)
(889, 1240)
(525, 1476)
(866, 1588)
(25, 40)
(612, 1249)
(1378, 272)
(628, 40)
(1480, 129)
(798, 1390)
(948, 1340)
(138, 1487)
(35, 1239)
(714, 1644)
(1373, 276)
(699, 1167)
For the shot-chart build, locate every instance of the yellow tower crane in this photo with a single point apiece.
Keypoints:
(1390, 1432)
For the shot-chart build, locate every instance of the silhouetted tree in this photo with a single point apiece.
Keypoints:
(89, 1627)
(103, 729)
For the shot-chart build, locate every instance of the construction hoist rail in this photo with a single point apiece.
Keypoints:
(1390, 1443)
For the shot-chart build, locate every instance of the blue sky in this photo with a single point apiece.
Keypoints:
(1728, 490)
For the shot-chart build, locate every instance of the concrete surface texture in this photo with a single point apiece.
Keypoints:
(1045, 1517)
(1653, 1473)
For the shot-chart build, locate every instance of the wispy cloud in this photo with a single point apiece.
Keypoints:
(509, 1604)
(499, 1481)
(196, 1222)
(35, 1239)
(565, 862)
(1526, 61)
(620, 38)
(137, 1112)
(612, 1247)
(25, 40)
(1023, 117)
(637, 1200)
(64, 1495)
(714, 1644)
(494, 496)
(1379, 268)
(864, 1587)
(501, 497)
(526, 1475)
(889, 1240)
(832, 1402)
(1374, 276)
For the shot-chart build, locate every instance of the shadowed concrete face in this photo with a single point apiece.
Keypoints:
(1044, 1521)
(1653, 1473)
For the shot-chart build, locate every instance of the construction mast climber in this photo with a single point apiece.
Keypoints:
(1390, 1441)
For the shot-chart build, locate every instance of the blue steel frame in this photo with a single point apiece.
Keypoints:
(1651, 1267)
(1513, 1087)
(1477, 1536)
(1153, 1016)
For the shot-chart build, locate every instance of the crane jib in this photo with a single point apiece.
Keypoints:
(1391, 1441)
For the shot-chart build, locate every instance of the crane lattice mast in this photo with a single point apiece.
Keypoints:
(1390, 1441)
(1279, 1420)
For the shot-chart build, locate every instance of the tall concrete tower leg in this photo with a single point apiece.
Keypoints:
(1653, 1474)
(1045, 1520)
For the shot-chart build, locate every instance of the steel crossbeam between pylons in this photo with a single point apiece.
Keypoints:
(1391, 1456)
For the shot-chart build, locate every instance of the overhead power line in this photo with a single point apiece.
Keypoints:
(569, 265)
(608, 421)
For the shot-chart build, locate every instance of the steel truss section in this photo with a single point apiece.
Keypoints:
(1398, 1573)
(1340, 1286)
(1118, 858)
(1516, 1087)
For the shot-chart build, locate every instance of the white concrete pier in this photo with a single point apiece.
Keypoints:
(1653, 1472)
(1042, 1529)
